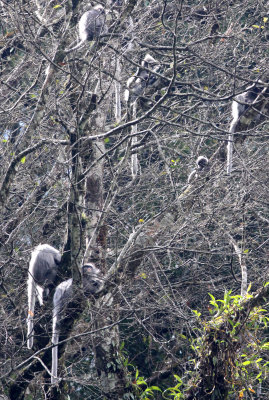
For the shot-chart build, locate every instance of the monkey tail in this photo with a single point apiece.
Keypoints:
(30, 329)
(134, 157)
(55, 341)
(230, 147)
(31, 310)
(54, 365)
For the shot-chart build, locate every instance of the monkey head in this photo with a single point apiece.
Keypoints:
(201, 162)
(91, 282)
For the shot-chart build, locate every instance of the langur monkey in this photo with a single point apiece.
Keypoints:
(91, 25)
(62, 296)
(42, 272)
(137, 84)
(201, 165)
(243, 101)
(240, 105)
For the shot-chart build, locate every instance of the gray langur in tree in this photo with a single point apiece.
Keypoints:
(240, 105)
(63, 295)
(42, 272)
(243, 101)
(142, 79)
(136, 86)
(202, 165)
(91, 25)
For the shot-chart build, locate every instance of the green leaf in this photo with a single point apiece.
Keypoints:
(106, 140)
(212, 297)
(23, 160)
(155, 388)
(141, 381)
(198, 314)
(178, 378)
(57, 6)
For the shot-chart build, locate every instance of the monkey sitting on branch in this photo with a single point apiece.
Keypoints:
(63, 295)
(202, 167)
(142, 79)
(91, 25)
(247, 110)
(42, 273)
